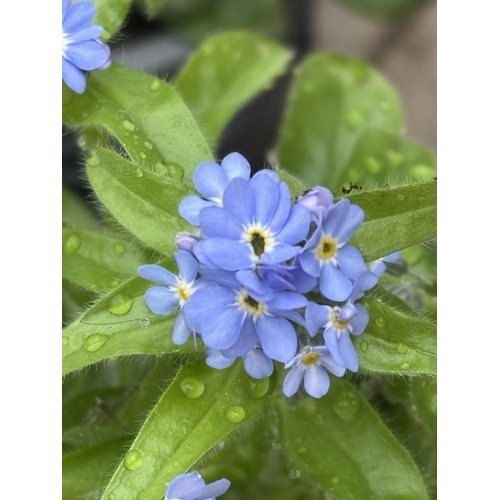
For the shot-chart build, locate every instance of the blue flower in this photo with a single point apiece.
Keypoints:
(232, 319)
(257, 226)
(191, 486)
(379, 266)
(175, 291)
(256, 363)
(211, 180)
(81, 50)
(340, 322)
(310, 365)
(327, 256)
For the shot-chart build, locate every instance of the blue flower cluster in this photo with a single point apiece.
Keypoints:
(261, 267)
(191, 486)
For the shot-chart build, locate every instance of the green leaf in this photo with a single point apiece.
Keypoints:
(151, 7)
(333, 100)
(120, 324)
(382, 158)
(396, 340)
(395, 218)
(201, 407)
(424, 399)
(145, 114)
(385, 10)
(111, 15)
(97, 261)
(225, 73)
(75, 212)
(340, 443)
(143, 202)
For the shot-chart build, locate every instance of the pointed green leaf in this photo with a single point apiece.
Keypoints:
(201, 407)
(120, 324)
(396, 340)
(340, 443)
(145, 114)
(145, 203)
(97, 261)
(381, 158)
(225, 73)
(111, 15)
(395, 218)
(333, 100)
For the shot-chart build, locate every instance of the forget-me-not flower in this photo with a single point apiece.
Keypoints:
(191, 486)
(210, 180)
(174, 292)
(310, 365)
(81, 49)
(379, 266)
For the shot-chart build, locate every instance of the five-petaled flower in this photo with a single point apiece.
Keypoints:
(191, 486)
(81, 49)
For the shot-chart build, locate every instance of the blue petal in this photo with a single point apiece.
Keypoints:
(328, 362)
(331, 342)
(348, 353)
(257, 364)
(210, 180)
(181, 331)
(238, 199)
(310, 263)
(316, 317)
(224, 278)
(316, 381)
(215, 359)
(89, 33)
(190, 208)
(296, 227)
(86, 55)
(360, 321)
(218, 222)
(292, 381)
(222, 330)
(266, 194)
(279, 253)
(287, 300)
(204, 260)
(353, 222)
(291, 315)
(365, 281)
(185, 487)
(73, 77)
(188, 265)
(157, 274)
(257, 289)
(269, 173)
(78, 16)
(337, 217)
(283, 209)
(226, 254)
(277, 337)
(161, 300)
(65, 6)
(350, 261)
(247, 339)
(214, 489)
(235, 165)
(333, 284)
(301, 281)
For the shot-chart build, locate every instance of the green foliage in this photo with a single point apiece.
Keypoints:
(111, 15)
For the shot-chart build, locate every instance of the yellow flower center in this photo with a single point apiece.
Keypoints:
(259, 238)
(340, 325)
(183, 291)
(310, 359)
(326, 248)
(250, 305)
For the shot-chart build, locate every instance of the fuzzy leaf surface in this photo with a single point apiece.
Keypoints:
(111, 15)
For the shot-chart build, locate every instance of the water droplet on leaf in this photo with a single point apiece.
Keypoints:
(302, 450)
(105, 35)
(175, 171)
(346, 404)
(235, 414)
(95, 341)
(380, 321)
(119, 248)
(132, 460)
(294, 474)
(402, 348)
(356, 118)
(65, 340)
(192, 387)
(93, 161)
(177, 124)
(127, 125)
(364, 345)
(373, 165)
(145, 323)
(405, 365)
(155, 85)
(148, 145)
(72, 244)
(139, 172)
(120, 304)
(258, 388)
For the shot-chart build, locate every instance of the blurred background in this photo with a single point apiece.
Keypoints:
(397, 37)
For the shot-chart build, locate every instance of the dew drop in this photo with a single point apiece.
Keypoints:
(142, 154)
(373, 165)
(364, 345)
(294, 474)
(72, 244)
(148, 145)
(119, 248)
(145, 323)
(128, 125)
(120, 304)
(65, 340)
(276, 445)
(93, 161)
(85, 114)
(235, 414)
(105, 35)
(258, 388)
(346, 405)
(380, 321)
(175, 171)
(402, 348)
(155, 85)
(395, 158)
(334, 480)
(95, 341)
(356, 118)
(112, 496)
(405, 365)
(401, 197)
(139, 172)
(177, 124)
(132, 460)
(302, 450)
(192, 387)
